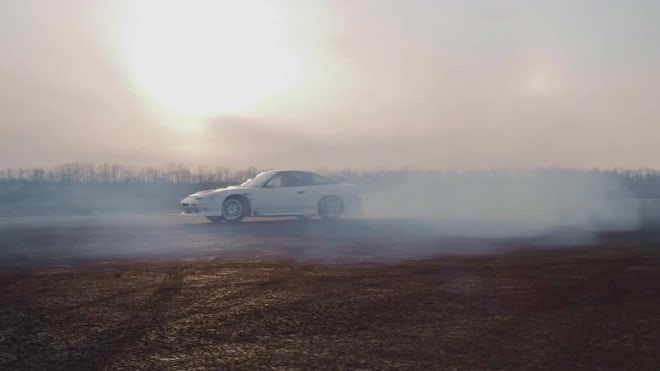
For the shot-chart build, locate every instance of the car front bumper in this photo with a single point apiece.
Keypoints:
(198, 207)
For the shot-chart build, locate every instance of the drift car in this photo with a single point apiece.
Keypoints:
(275, 193)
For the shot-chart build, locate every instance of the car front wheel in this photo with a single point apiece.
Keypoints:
(233, 209)
(330, 207)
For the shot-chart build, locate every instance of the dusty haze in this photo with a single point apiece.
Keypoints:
(375, 84)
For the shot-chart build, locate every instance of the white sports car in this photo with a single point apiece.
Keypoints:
(275, 193)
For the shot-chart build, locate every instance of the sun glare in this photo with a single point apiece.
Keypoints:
(205, 57)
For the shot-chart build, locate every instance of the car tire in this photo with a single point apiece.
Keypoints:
(234, 209)
(330, 207)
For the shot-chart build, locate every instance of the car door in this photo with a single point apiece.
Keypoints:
(300, 182)
(308, 192)
(279, 196)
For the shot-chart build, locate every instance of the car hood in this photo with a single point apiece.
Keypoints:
(210, 193)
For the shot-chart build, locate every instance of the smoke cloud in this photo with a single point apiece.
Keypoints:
(507, 203)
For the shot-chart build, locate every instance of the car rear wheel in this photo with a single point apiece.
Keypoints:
(330, 207)
(234, 209)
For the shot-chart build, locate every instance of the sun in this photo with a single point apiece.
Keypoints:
(208, 57)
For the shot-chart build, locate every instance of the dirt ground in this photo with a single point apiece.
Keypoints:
(578, 308)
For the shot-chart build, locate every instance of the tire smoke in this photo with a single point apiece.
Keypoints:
(507, 203)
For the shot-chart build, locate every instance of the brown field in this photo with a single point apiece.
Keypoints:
(525, 304)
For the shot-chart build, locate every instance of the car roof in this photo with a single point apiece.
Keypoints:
(287, 170)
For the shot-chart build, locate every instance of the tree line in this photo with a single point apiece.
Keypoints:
(642, 183)
(84, 173)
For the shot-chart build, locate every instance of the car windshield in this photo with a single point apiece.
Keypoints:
(258, 180)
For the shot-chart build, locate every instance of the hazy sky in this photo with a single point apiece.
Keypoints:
(331, 84)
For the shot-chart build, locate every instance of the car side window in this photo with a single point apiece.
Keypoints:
(290, 180)
(283, 180)
(303, 179)
(276, 182)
